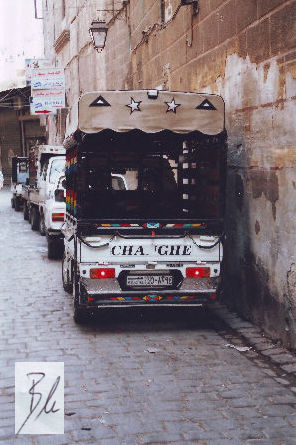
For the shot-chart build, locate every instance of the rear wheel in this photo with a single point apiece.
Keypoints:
(34, 218)
(42, 229)
(81, 315)
(67, 276)
(25, 211)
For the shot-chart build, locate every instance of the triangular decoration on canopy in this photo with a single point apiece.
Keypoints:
(100, 102)
(206, 105)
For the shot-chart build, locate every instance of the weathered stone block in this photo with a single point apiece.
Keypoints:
(209, 29)
(204, 9)
(265, 6)
(283, 29)
(214, 4)
(227, 21)
(246, 13)
(258, 46)
(197, 43)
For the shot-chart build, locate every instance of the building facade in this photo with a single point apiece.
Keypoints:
(244, 50)
(68, 45)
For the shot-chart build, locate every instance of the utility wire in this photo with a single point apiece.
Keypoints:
(156, 26)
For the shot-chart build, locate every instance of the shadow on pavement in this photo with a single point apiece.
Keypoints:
(149, 319)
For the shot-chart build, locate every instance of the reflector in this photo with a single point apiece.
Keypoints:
(198, 272)
(102, 273)
(58, 217)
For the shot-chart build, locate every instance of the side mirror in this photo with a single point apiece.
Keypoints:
(59, 195)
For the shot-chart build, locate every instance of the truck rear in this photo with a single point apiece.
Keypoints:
(157, 240)
(52, 219)
(19, 177)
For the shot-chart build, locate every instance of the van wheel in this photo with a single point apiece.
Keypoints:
(17, 206)
(42, 225)
(34, 218)
(12, 203)
(25, 212)
(66, 277)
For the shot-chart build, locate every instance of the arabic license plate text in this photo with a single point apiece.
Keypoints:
(150, 280)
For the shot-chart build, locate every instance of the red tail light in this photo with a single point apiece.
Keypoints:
(102, 273)
(198, 272)
(58, 217)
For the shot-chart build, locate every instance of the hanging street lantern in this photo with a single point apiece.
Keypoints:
(98, 31)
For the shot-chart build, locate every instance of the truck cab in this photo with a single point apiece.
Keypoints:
(157, 241)
(19, 176)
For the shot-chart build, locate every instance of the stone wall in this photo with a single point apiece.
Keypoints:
(68, 45)
(245, 51)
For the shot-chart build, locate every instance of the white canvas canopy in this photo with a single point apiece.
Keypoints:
(150, 111)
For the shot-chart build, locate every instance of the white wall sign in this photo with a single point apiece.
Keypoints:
(43, 105)
(47, 90)
(48, 78)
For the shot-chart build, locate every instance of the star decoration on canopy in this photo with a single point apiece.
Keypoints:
(172, 106)
(134, 105)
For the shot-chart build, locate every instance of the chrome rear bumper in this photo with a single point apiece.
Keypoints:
(97, 293)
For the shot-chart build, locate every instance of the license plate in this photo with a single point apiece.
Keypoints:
(149, 280)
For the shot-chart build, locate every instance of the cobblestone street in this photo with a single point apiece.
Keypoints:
(136, 377)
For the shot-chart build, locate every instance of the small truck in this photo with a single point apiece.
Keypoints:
(157, 241)
(19, 176)
(46, 165)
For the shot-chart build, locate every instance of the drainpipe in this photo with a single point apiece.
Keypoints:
(22, 135)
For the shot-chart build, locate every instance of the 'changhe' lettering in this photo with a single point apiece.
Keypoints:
(128, 250)
(175, 250)
(162, 250)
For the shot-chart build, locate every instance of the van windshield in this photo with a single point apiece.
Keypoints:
(56, 169)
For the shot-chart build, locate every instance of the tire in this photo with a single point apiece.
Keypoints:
(66, 278)
(80, 315)
(17, 206)
(12, 202)
(34, 218)
(25, 211)
(55, 248)
(42, 228)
